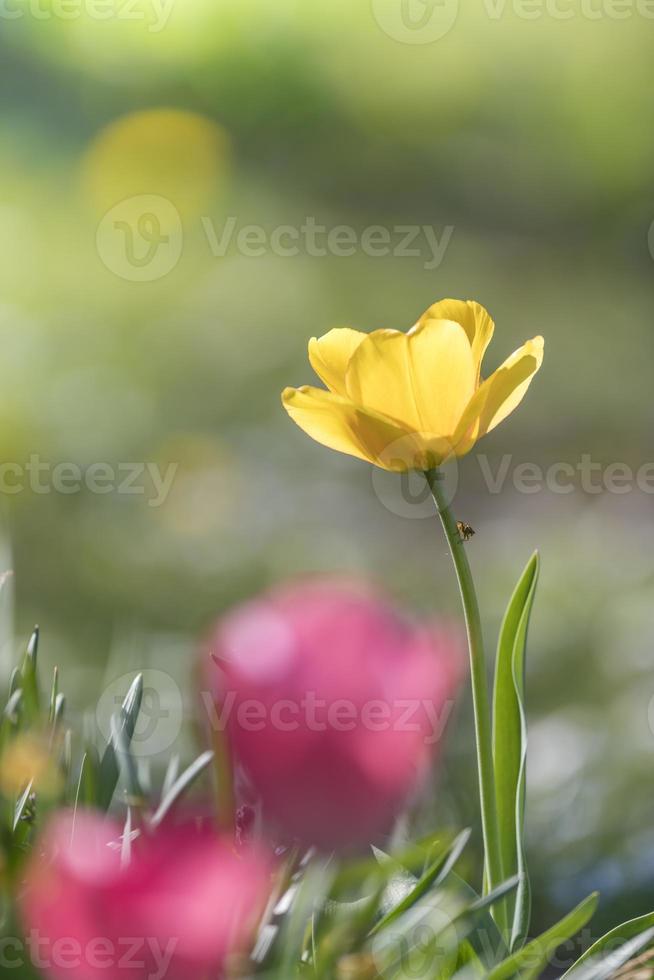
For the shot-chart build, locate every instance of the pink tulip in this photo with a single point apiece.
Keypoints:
(333, 706)
(173, 909)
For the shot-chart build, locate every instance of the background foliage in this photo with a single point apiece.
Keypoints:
(529, 137)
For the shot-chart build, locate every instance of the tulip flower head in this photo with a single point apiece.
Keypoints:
(334, 706)
(411, 400)
(176, 908)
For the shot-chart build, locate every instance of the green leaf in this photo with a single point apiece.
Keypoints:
(343, 931)
(33, 646)
(58, 710)
(66, 760)
(126, 763)
(486, 901)
(449, 926)
(487, 940)
(510, 751)
(402, 873)
(29, 678)
(109, 768)
(126, 843)
(433, 876)
(290, 936)
(172, 771)
(469, 963)
(14, 681)
(181, 785)
(54, 691)
(635, 935)
(532, 958)
(12, 706)
(22, 805)
(88, 782)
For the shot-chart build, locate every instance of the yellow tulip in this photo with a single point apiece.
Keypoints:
(411, 400)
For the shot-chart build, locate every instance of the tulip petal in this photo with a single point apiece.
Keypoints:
(444, 373)
(337, 423)
(423, 379)
(329, 355)
(499, 394)
(474, 319)
(380, 377)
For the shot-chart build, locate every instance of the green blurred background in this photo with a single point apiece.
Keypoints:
(526, 141)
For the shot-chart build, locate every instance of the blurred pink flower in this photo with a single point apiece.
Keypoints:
(181, 904)
(333, 704)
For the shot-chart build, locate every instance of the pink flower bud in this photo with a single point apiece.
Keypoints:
(176, 907)
(333, 705)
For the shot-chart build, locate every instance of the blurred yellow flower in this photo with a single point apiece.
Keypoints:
(27, 761)
(181, 156)
(411, 400)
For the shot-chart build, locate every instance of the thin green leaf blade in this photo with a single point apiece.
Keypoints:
(88, 781)
(602, 959)
(434, 876)
(126, 763)
(180, 785)
(29, 680)
(22, 805)
(109, 766)
(534, 956)
(510, 750)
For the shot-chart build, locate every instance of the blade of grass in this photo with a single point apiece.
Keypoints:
(180, 786)
(109, 768)
(638, 932)
(434, 876)
(510, 749)
(534, 956)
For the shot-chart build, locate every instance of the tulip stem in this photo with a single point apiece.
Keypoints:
(480, 699)
(224, 788)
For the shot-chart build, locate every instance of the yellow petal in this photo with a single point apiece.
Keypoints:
(329, 355)
(500, 394)
(336, 423)
(512, 381)
(423, 379)
(474, 319)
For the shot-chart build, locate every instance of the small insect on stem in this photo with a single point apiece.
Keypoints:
(464, 530)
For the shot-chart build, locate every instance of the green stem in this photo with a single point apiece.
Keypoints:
(480, 699)
(224, 789)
